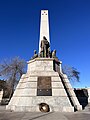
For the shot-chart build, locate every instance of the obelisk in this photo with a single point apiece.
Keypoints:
(44, 27)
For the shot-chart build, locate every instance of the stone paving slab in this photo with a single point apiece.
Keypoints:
(5, 115)
(78, 116)
(10, 115)
(31, 116)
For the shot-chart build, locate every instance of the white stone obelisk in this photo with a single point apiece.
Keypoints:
(44, 27)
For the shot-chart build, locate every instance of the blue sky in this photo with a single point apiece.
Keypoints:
(69, 31)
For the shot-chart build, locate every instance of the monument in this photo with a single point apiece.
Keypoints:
(44, 87)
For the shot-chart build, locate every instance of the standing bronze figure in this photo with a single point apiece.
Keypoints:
(45, 48)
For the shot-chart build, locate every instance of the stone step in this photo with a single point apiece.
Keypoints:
(87, 108)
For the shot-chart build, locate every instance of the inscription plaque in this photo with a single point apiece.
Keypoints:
(44, 86)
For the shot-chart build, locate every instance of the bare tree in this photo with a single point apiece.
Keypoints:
(12, 70)
(72, 73)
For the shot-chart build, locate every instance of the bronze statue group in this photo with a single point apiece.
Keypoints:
(45, 50)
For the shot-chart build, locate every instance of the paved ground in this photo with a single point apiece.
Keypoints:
(7, 115)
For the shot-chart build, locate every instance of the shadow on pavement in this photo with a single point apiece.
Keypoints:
(45, 114)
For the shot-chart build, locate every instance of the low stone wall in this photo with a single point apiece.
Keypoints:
(82, 95)
(1, 95)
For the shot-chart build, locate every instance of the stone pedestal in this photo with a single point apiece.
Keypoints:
(28, 96)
